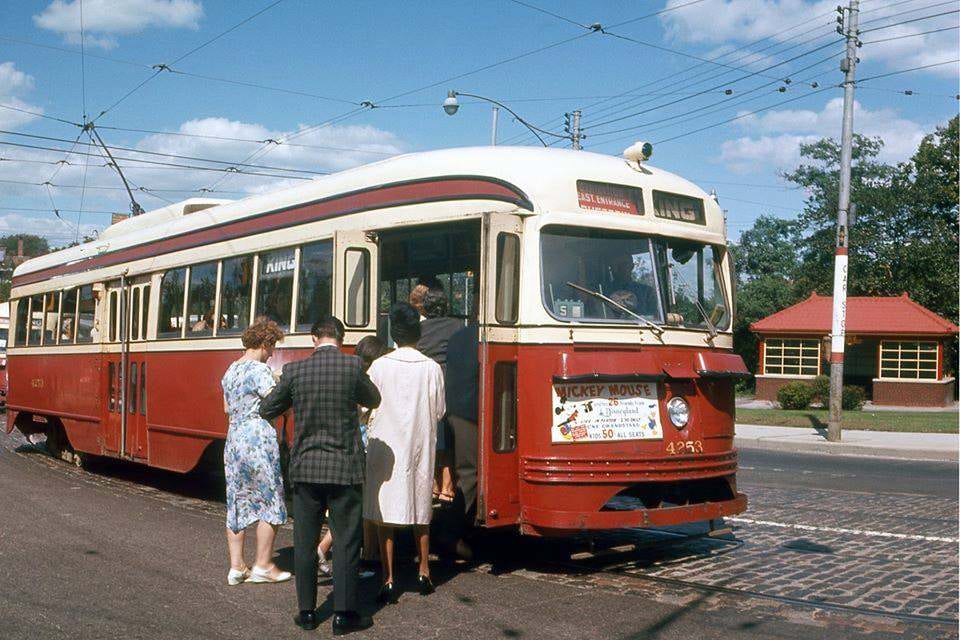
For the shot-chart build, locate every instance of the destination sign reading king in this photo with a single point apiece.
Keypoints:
(601, 196)
(605, 411)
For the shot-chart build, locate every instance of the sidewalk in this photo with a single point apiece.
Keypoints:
(907, 446)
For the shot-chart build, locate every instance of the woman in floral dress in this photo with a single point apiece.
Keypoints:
(251, 458)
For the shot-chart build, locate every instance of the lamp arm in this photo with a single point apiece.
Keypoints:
(534, 130)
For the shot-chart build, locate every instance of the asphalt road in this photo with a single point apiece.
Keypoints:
(123, 552)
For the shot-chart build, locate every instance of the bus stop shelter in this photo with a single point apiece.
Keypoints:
(896, 349)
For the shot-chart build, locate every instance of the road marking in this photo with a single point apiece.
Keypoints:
(856, 532)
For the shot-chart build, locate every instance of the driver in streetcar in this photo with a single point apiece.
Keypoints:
(624, 289)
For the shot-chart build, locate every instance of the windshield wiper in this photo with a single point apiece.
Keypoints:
(596, 294)
(711, 329)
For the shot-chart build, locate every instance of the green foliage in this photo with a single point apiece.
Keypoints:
(852, 398)
(795, 395)
(32, 245)
(821, 389)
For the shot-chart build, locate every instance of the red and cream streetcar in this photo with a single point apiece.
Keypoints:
(602, 286)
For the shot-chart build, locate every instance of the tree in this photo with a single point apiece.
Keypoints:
(32, 246)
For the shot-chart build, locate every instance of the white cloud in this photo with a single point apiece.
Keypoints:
(777, 135)
(722, 22)
(105, 19)
(328, 149)
(57, 232)
(14, 83)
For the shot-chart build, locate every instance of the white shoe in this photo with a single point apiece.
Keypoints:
(259, 576)
(235, 577)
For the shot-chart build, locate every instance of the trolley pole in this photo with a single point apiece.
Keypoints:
(838, 331)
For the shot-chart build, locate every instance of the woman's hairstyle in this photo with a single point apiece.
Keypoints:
(404, 324)
(416, 297)
(369, 349)
(262, 333)
(435, 303)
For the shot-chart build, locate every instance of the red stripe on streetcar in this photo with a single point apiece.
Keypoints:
(381, 197)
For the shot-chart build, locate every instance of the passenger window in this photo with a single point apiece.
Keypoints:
(201, 298)
(111, 381)
(170, 321)
(87, 316)
(20, 330)
(135, 314)
(51, 310)
(314, 282)
(275, 286)
(146, 312)
(356, 293)
(113, 314)
(508, 278)
(68, 313)
(36, 320)
(236, 281)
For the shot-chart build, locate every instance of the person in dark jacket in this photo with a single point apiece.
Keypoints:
(461, 383)
(435, 331)
(326, 467)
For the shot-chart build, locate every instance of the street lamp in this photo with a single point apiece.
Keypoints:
(451, 105)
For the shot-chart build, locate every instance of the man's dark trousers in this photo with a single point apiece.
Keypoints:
(345, 504)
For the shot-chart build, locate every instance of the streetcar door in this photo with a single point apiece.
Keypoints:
(112, 324)
(355, 283)
(135, 428)
(498, 473)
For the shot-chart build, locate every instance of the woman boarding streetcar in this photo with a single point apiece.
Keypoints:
(602, 288)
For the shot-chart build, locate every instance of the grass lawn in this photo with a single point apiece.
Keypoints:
(945, 422)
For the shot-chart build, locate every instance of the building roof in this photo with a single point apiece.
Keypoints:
(894, 315)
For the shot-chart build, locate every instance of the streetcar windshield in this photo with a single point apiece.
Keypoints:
(598, 275)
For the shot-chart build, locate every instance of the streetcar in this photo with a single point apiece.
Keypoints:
(602, 288)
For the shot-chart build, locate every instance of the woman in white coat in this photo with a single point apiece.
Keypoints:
(401, 445)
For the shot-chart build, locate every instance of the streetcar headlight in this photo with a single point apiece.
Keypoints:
(679, 412)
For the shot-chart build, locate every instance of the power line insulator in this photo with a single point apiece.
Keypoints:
(728, 92)
(908, 92)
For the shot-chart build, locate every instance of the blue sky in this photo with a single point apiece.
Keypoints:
(364, 50)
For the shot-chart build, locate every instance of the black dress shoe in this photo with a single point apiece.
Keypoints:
(344, 623)
(306, 620)
(388, 594)
(424, 585)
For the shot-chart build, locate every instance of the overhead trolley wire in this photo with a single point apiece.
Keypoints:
(911, 35)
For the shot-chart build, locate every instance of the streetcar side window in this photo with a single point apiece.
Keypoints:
(505, 409)
(508, 278)
(143, 388)
(36, 319)
(356, 287)
(170, 320)
(51, 309)
(135, 314)
(112, 315)
(236, 285)
(314, 283)
(275, 286)
(68, 313)
(200, 299)
(146, 312)
(86, 315)
(111, 381)
(20, 330)
(132, 400)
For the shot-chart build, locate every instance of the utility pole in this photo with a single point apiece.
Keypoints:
(849, 22)
(493, 133)
(572, 127)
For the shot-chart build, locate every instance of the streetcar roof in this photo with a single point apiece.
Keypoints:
(547, 176)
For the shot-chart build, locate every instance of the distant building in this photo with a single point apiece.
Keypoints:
(895, 349)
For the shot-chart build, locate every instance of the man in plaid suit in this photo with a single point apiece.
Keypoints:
(326, 467)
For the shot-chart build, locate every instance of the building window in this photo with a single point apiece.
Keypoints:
(275, 286)
(315, 284)
(200, 299)
(236, 283)
(791, 357)
(170, 321)
(909, 360)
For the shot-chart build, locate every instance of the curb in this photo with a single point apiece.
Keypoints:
(772, 443)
